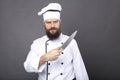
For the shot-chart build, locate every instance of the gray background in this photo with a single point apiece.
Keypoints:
(97, 22)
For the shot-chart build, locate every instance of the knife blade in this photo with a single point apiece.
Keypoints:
(68, 40)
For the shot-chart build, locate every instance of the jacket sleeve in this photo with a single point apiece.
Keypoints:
(78, 64)
(32, 61)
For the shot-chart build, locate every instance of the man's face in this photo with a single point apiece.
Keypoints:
(52, 27)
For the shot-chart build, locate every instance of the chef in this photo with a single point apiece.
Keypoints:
(45, 56)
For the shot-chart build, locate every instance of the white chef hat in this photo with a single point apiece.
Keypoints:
(51, 11)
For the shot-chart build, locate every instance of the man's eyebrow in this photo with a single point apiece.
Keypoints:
(47, 21)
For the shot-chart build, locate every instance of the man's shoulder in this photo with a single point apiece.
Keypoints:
(43, 38)
(65, 36)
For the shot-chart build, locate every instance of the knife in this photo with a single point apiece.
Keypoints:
(68, 40)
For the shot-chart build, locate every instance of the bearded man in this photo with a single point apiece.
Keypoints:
(47, 59)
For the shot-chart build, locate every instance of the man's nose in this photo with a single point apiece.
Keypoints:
(52, 24)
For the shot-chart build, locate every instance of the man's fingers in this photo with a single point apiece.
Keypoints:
(60, 51)
(58, 48)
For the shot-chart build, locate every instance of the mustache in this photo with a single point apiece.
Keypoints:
(53, 28)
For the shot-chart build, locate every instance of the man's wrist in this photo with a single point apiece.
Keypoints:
(43, 59)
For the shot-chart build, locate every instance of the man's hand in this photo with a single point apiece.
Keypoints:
(50, 56)
(53, 54)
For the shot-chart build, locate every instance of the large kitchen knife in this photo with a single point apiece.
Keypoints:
(68, 40)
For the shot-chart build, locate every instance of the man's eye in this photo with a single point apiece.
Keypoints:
(55, 21)
(48, 22)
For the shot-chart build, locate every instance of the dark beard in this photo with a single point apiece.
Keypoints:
(53, 36)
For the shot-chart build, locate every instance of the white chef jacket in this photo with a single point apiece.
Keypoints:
(69, 65)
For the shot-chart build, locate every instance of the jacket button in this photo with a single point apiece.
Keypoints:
(48, 63)
(62, 53)
(61, 73)
(61, 42)
(62, 63)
